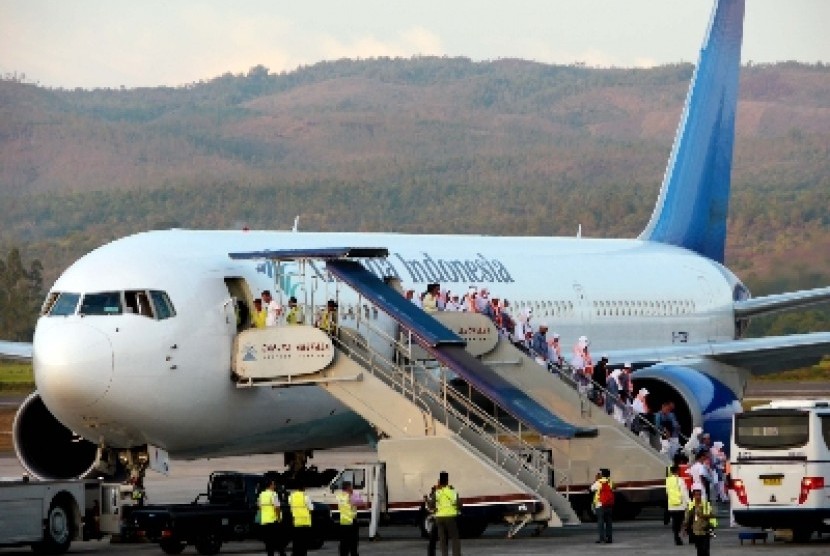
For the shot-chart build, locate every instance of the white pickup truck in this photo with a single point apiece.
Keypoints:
(394, 491)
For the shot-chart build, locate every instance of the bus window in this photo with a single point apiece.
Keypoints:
(777, 430)
(825, 429)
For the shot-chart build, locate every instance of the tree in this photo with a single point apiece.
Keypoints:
(20, 297)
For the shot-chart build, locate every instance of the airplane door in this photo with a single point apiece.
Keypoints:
(582, 309)
(239, 310)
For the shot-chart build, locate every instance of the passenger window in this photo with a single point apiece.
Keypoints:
(104, 303)
(163, 305)
(65, 304)
(825, 429)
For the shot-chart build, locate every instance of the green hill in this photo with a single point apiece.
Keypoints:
(422, 144)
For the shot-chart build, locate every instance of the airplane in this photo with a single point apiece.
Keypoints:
(134, 344)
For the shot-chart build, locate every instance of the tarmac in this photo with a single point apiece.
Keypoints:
(642, 537)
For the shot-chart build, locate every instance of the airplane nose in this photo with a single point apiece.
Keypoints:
(72, 362)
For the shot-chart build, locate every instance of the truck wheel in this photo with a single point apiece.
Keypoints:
(57, 536)
(471, 528)
(172, 546)
(211, 544)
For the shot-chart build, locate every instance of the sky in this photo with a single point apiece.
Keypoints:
(149, 43)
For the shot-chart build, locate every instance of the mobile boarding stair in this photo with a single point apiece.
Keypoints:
(638, 468)
(417, 412)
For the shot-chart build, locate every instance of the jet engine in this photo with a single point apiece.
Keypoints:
(701, 400)
(46, 448)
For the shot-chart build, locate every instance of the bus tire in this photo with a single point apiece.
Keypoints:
(802, 534)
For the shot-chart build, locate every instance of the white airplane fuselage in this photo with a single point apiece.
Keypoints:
(127, 380)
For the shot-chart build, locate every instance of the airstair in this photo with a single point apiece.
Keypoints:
(395, 372)
(637, 466)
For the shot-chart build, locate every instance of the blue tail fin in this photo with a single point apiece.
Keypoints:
(694, 199)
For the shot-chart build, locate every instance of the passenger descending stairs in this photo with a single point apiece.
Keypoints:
(633, 460)
(414, 408)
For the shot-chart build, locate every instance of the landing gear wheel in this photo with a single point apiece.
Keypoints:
(58, 533)
(208, 545)
(172, 546)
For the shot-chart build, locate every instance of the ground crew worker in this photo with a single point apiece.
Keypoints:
(678, 501)
(700, 522)
(347, 503)
(301, 507)
(259, 315)
(328, 318)
(447, 508)
(270, 517)
(294, 315)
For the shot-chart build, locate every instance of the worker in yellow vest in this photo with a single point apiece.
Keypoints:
(348, 502)
(327, 320)
(447, 508)
(301, 507)
(678, 500)
(269, 516)
(259, 315)
(294, 315)
(700, 522)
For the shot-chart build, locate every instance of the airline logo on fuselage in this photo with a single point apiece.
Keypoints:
(422, 269)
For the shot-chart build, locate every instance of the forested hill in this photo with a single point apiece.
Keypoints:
(423, 144)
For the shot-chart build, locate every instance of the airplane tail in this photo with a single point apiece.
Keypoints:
(694, 198)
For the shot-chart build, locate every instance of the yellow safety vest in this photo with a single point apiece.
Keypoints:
(347, 510)
(299, 510)
(446, 502)
(268, 513)
(674, 492)
(293, 316)
(707, 509)
(259, 318)
(328, 321)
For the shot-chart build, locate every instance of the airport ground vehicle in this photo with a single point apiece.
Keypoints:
(780, 460)
(226, 514)
(49, 515)
(394, 492)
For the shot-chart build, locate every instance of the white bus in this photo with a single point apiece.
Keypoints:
(780, 467)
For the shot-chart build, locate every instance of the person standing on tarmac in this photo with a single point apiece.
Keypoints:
(301, 507)
(603, 505)
(347, 503)
(447, 508)
(270, 516)
(678, 500)
(700, 522)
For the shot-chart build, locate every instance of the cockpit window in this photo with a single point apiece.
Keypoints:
(138, 302)
(61, 304)
(104, 303)
(163, 305)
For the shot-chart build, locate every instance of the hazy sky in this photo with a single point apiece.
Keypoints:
(133, 43)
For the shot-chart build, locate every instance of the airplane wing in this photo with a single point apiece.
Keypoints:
(16, 350)
(758, 355)
(780, 302)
